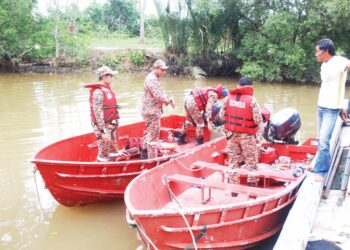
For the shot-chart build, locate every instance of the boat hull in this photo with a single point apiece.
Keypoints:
(194, 205)
(240, 234)
(73, 177)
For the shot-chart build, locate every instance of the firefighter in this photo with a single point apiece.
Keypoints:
(104, 113)
(152, 104)
(200, 101)
(244, 128)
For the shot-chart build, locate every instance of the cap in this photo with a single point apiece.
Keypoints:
(160, 64)
(244, 81)
(104, 70)
(224, 92)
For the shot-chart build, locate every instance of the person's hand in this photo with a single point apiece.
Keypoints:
(172, 103)
(259, 140)
(116, 123)
(105, 138)
(210, 126)
(343, 114)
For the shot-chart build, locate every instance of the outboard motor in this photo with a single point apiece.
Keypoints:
(283, 126)
(215, 115)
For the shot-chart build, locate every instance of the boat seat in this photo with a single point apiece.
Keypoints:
(164, 131)
(265, 173)
(234, 188)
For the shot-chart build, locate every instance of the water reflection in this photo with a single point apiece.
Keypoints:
(38, 109)
(108, 223)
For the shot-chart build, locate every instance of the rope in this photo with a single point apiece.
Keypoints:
(191, 169)
(183, 216)
(189, 229)
(203, 232)
(37, 191)
(147, 238)
(171, 194)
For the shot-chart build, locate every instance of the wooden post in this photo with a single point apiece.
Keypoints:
(335, 155)
(332, 172)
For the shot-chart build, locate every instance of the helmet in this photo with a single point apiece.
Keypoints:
(215, 115)
(245, 81)
(224, 92)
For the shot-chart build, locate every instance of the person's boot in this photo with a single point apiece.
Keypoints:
(199, 141)
(253, 179)
(233, 176)
(181, 139)
(144, 154)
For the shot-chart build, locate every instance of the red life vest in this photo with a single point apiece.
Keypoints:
(239, 116)
(201, 95)
(109, 107)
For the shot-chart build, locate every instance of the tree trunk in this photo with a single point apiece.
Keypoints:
(142, 4)
(57, 34)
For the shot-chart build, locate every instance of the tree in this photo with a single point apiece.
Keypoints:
(57, 39)
(279, 37)
(142, 4)
(173, 21)
(94, 14)
(17, 25)
(121, 15)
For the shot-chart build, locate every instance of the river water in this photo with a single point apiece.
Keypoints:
(38, 109)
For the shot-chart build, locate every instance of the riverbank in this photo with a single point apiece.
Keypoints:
(131, 60)
(127, 60)
(122, 60)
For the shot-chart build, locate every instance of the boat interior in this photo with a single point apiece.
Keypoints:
(213, 187)
(83, 148)
(200, 178)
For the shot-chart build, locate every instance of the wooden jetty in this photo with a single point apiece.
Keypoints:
(319, 212)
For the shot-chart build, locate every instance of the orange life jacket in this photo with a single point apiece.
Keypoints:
(238, 114)
(201, 95)
(109, 107)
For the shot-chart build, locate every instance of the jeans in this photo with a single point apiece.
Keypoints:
(326, 119)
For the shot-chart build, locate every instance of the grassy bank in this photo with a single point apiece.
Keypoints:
(124, 52)
(124, 41)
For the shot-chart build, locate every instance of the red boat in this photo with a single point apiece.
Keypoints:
(72, 175)
(188, 202)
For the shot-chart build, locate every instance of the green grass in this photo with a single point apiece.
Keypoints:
(123, 41)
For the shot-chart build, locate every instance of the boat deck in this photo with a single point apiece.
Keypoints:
(185, 147)
(215, 189)
(193, 195)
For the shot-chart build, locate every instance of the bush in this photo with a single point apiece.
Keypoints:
(118, 58)
(137, 57)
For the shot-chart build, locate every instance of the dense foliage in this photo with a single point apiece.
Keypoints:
(270, 40)
(118, 15)
(267, 39)
(17, 26)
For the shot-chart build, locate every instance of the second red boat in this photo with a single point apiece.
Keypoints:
(72, 175)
